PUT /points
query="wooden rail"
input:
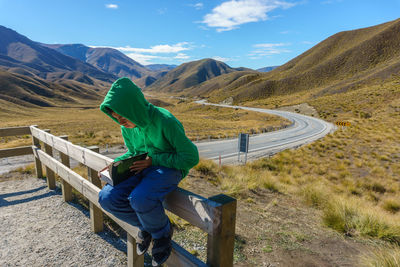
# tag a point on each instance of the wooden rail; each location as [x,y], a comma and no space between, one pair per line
[216,215]
[15,151]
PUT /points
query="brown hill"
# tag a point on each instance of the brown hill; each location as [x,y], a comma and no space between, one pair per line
[115,62]
[107,59]
[40,60]
[190,74]
[340,63]
[34,91]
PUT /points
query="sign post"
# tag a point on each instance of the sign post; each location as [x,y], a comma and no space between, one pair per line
[343,124]
[243,145]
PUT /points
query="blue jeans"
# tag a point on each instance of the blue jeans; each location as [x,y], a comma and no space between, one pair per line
[138,200]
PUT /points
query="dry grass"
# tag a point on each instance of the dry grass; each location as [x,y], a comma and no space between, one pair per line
[89,126]
[382,257]
[352,175]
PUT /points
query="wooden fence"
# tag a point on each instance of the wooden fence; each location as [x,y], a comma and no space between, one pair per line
[215,215]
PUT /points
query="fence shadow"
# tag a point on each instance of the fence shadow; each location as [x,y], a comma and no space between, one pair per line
[5,203]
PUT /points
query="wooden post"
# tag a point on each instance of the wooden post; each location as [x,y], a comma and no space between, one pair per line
[66,188]
[134,260]
[51,178]
[96,215]
[220,243]
[38,164]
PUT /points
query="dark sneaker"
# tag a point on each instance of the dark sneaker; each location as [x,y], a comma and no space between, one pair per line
[143,242]
[161,249]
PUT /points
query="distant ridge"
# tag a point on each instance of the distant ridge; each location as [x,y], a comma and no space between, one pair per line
[160,67]
[266,69]
[340,63]
[107,59]
[35,75]
[113,61]
[190,74]
[33,91]
[18,50]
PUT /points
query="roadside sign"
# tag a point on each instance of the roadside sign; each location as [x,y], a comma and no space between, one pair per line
[243,142]
[243,145]
[343,123]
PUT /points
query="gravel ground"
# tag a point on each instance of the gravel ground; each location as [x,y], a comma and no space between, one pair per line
[38,229]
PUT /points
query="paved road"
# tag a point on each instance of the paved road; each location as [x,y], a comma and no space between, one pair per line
[304,129]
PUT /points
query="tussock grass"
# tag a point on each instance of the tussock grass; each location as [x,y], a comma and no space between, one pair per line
[351,217]
[351,175]
[391,205]
[382,257]
[28,169]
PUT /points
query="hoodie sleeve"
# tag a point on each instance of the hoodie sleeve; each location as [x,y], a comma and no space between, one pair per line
[124,156]
[128,144]
[185,155]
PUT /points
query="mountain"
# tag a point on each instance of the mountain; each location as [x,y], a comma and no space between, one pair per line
[31,91]
[266,69]
[342,62]
[115,62]
[106,59]
[17,51]
[190,74]
[160,67]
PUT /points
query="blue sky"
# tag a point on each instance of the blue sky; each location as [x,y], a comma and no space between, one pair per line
[248,33]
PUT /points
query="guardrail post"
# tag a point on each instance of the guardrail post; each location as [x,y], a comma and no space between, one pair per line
[96,215]
[134,260]
[66,187]
[38,164]
[51,178]
[220,243]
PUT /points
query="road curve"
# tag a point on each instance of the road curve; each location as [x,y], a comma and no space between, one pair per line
[304,129]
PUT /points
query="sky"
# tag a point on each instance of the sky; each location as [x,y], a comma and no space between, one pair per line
[241,33]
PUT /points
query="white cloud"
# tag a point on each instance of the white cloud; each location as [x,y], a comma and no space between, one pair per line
[223,59]
[268,49]
[182,56]
[112,6]
[230,14]
[146,59]
[156,53]
[162,48]
[307,42]
[198,5]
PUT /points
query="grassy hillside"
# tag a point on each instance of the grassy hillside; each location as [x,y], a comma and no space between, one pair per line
[351,176]
[28,91]
[190,74]
[345,61]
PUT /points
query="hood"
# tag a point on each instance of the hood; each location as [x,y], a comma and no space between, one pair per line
[126,99]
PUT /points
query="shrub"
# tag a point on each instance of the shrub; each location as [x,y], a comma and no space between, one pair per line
[382,257]
[391,205]
[351,218]
[206,167]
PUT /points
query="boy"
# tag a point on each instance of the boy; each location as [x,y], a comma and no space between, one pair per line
[138,200]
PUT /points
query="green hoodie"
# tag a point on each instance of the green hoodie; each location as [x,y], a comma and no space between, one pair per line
[157,131]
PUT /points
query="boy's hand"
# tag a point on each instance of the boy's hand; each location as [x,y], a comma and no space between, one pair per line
[105,168]
[140,165]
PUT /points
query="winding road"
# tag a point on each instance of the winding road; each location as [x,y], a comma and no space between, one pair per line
[304,129]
